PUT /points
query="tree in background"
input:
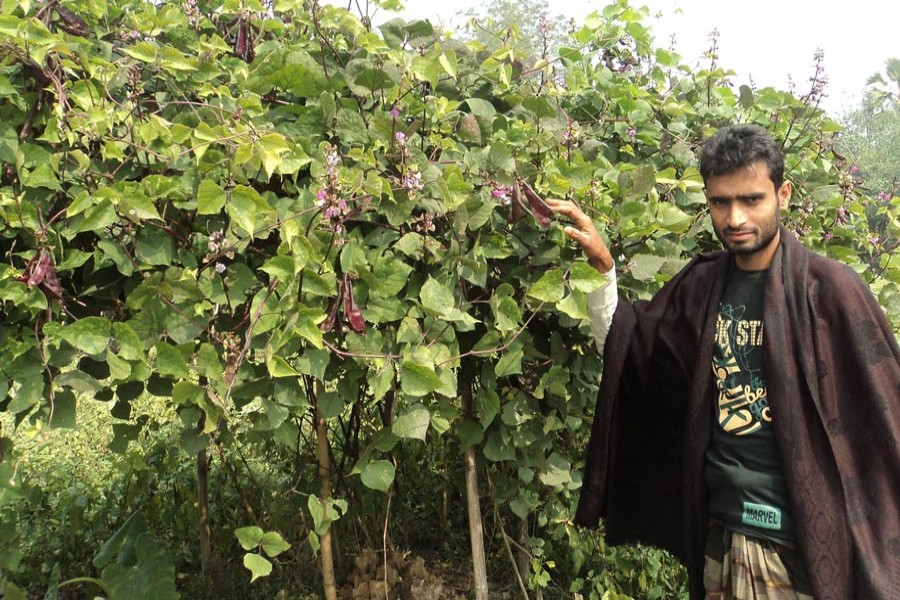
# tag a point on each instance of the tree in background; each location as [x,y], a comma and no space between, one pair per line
[871,133]
[537,31]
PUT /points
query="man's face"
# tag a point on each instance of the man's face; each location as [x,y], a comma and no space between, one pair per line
[746,210]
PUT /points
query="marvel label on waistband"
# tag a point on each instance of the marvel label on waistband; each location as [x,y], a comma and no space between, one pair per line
[762,516]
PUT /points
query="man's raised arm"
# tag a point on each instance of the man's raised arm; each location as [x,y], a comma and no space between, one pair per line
[602,302]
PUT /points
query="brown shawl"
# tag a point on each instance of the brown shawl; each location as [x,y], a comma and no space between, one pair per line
[832,367]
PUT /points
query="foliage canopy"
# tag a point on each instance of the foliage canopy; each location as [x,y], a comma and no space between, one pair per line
[261,213]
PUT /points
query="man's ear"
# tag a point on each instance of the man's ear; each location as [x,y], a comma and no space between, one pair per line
[784,194]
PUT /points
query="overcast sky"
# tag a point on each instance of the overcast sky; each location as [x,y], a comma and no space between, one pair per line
[769,41]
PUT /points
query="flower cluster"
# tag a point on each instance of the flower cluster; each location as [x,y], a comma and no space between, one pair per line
[424,223]
[328,199]
[192,12]
[841,217]
[412,180]
[502,193]
[403,144]
[217,247]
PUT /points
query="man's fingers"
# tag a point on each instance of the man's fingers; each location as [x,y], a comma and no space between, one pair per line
[573,232]
[569,209]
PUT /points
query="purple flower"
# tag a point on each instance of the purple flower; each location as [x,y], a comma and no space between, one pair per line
[400,137]
[220,268]
[502,193]
[632,132]
[826,237]
[412,181]
[395,112]
[854,169]
[332,160]
[874,240]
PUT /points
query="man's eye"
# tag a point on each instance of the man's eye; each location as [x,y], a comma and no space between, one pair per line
[717,202]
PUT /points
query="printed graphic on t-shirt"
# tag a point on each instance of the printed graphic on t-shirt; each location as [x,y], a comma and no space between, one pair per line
[761,515]
[742,404]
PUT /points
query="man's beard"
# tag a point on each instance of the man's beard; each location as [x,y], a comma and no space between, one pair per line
[767,232]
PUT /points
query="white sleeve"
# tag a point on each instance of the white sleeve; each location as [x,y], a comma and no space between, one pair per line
[601,305]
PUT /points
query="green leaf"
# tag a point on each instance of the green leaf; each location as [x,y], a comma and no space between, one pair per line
[154,246]
[41,177]
[418,380]
[557,472]
[249,537]
[511,361]
[273,544]
[413,423]
[130,345]
[470,434]
[507,316]
[436,297]
[481,108]
[90,334]
[520,507]
[247,209]
[98,216]
[170,361]
[63,416]
[331,404]
[487,404]
[269,149]
[324,513]
[496,449]
[574,305]
[173,60]
[144,51]
[279,367]
[137,208]
[672,218]
[585,278]
[449,61]
[646,266]
[637,183]
[258,565]
[378,475]
[550,287]
[210,198]
[135,566]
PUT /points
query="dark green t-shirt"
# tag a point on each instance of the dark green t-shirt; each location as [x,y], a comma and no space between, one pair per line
[745,481]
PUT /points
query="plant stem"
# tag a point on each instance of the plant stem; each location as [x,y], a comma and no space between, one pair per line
[328,580]
[476,534]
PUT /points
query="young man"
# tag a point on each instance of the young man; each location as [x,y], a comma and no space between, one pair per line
[748,418]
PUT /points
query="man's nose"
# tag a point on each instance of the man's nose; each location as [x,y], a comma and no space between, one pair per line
[736,216]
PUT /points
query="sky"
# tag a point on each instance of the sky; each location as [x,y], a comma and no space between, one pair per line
[770,42]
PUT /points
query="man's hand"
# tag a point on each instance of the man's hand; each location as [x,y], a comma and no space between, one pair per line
[583,231]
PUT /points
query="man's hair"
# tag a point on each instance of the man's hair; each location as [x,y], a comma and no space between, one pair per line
[738,146]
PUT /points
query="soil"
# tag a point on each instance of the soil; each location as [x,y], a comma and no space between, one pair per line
[401,577]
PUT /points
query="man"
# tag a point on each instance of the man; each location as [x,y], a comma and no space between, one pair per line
[748,418]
